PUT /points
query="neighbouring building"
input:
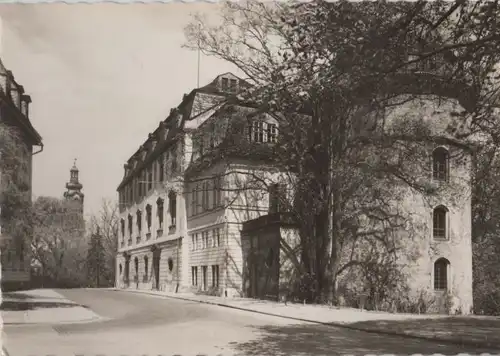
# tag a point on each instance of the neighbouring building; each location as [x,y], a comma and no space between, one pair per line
[199,204]
[14,113]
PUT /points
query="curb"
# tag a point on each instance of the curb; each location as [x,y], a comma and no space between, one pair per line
[461,342]
[97,318]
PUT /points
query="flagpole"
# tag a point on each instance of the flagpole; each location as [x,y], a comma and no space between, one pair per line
[198,75]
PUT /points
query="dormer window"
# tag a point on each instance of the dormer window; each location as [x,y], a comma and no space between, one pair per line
[225,84]
[229,85]
[233,85]
[261,132]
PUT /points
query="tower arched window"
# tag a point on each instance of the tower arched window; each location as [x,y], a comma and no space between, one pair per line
[440,164]
[440,222]
[441,275]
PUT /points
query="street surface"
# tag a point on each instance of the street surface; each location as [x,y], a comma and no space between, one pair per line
[140,324]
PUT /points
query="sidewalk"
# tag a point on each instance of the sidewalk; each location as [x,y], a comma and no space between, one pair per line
[42,306]
[476,331]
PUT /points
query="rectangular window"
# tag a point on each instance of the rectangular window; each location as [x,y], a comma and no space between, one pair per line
[203,240]
[204,277]
[233,85]
[197,241]
[161,168]
[160,213]
[224,84]
[173,208]
[150,178]
[193,245]
[130,225]
[203,207]
[205,196]
[139,222]
[193,201]
[218,237]
[215,276]
[122,223]
[194,276]
[198,200]
[257,132]
[272,133]
[277,197]
[174,159]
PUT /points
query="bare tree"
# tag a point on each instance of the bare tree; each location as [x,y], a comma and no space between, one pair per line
[58,244]
[105,226]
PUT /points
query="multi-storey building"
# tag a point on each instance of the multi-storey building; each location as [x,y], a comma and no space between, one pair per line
[207,173]
[182,198]
[14,114]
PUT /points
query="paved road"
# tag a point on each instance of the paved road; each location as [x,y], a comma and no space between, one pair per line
[138,324]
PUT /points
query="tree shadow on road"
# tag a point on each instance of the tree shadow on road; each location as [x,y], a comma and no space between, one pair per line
[23,296]
[475,328]
[32,305]
[308,339]
[17,301]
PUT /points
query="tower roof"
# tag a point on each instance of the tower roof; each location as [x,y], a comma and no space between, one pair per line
[74,168]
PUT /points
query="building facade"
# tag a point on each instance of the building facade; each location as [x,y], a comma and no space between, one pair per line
[180,211]
[194,192]
[14,114]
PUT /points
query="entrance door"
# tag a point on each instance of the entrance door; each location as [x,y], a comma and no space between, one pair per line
[156,267]
[127,272]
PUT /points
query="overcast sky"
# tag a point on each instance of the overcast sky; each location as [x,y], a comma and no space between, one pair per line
[101,78]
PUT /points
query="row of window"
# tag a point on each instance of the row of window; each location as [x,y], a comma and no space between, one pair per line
[257,131]
[206,239]
[205,196]
[146,266]
[262,132]
[204,277]
[145,181]
[159,214]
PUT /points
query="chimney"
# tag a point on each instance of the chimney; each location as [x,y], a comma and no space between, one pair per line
[25,105]
[153,140]
[8,82]
[20,93]
[144,152]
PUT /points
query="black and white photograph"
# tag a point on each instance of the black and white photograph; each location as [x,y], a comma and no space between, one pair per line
[249,178]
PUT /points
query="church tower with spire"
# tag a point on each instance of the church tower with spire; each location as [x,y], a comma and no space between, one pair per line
[74,187]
